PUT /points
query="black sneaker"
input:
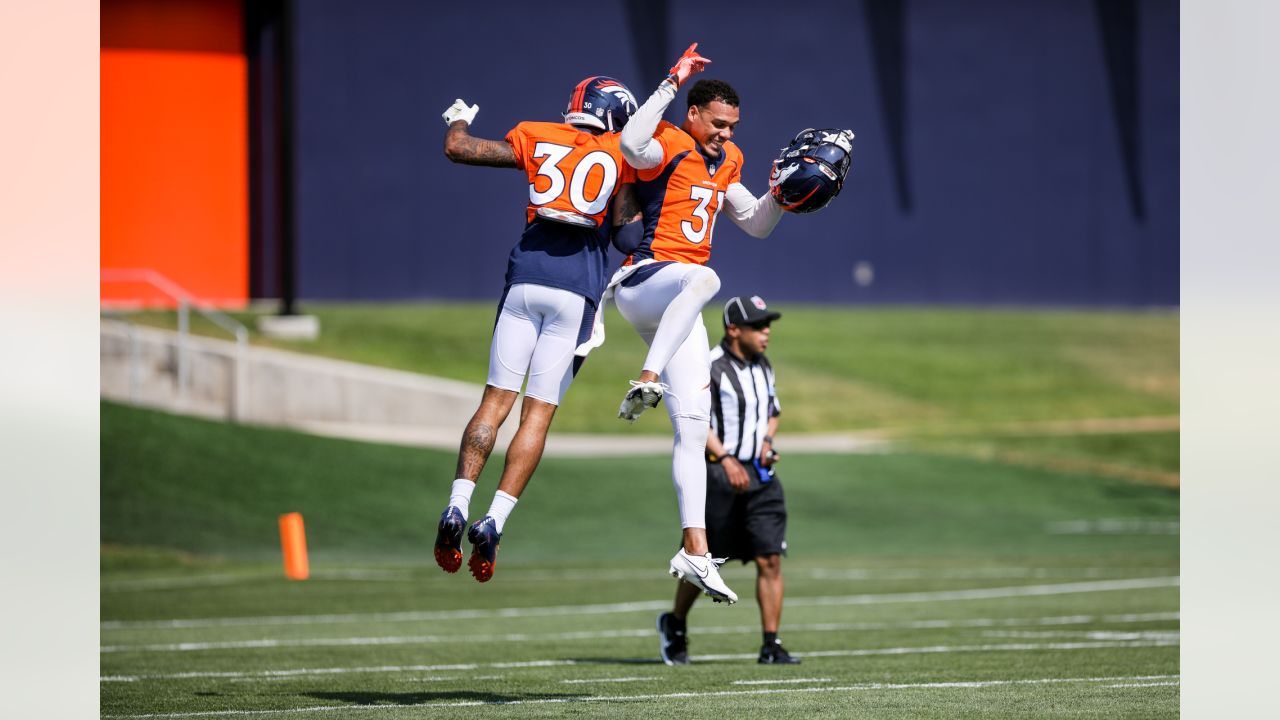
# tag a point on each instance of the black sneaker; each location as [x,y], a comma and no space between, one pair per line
[674,646]
[775,654]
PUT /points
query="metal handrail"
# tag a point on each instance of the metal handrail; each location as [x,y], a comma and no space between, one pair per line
[186,302]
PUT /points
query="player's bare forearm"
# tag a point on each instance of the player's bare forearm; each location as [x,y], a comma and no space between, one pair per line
[626,205]
[769,456]
[714,446]
[461,147]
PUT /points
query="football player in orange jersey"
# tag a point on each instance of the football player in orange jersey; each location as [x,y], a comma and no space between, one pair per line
[685,177]
[556,275]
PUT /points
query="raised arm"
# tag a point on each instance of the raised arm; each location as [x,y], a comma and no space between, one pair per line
[638,145]
[461,147]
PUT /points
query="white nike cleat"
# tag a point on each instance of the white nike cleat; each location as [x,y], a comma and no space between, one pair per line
[641,397]
[704,573]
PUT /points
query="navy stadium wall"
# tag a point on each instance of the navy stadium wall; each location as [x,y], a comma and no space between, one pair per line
[1007,152]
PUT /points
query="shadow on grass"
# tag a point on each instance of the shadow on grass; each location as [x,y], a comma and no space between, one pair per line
[615,661]
[419,698]
[648,661]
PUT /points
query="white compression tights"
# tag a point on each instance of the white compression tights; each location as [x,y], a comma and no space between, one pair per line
[666,309]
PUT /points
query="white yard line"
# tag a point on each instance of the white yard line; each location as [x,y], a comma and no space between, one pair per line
[512,575]
[585,681]
[196,581]
[650,606]
[648,631]
[937,649]
[978,573]
[308,672]
[860,687]
[928,650]
[409,616]
[990,593]
[790,681]
[1087,634]
[1114,526]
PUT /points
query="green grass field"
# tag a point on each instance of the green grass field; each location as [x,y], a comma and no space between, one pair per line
[926,582]
[838,368]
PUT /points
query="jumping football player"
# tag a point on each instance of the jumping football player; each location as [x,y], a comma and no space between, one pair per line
[685,177]
[556,275]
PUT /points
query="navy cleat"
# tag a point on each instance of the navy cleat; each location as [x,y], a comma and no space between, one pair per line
[775,654]
[449,539]
[673,643]
[484,537]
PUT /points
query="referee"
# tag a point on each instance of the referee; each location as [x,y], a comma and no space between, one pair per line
[746,514]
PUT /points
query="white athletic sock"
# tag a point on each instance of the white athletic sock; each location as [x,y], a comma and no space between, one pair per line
[460,495]
[502,506]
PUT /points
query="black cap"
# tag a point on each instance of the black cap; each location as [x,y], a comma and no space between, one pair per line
[747,310]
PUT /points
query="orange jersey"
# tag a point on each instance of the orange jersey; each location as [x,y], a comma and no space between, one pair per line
[572,173]
[682,197]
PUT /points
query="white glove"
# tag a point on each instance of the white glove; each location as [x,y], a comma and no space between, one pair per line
[846,141]
[842,139]
[460,111]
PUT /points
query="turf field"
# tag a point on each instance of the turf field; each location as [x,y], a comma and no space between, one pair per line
[838,368]
[920,583]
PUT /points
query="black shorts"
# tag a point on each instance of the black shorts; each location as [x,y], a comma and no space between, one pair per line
[744,526]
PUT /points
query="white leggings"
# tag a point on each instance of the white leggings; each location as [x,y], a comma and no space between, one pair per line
[537,330]
[666,309]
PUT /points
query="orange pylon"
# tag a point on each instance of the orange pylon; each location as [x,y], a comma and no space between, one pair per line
[293,541]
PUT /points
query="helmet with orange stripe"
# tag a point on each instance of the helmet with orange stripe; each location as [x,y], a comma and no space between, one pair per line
[810,172]
[601,103]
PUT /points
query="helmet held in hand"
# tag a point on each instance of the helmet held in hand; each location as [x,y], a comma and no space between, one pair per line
[810,172]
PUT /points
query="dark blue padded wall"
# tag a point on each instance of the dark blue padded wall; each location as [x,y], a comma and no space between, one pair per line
[382,213]
[991,164]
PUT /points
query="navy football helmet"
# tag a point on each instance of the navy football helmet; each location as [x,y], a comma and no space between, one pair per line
[810,172]
[602,103]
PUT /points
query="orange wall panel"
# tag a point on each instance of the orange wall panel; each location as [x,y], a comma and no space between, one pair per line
[174,159]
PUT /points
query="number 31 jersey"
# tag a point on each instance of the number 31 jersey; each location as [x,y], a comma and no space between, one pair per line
[573,175]
[682,197]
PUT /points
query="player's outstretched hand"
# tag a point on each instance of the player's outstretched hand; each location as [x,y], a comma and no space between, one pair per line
[690,63]
[459,110]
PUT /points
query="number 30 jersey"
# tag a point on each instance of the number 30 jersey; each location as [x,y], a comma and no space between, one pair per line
[682,197]
[573,175]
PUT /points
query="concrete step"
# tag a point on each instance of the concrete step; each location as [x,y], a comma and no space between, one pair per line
[336,398]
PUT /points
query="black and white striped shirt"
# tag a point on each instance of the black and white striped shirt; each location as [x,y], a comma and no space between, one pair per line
[742,401]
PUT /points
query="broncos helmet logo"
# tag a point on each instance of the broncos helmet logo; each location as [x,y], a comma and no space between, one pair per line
[602,103]
[623,94]
[780,175]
